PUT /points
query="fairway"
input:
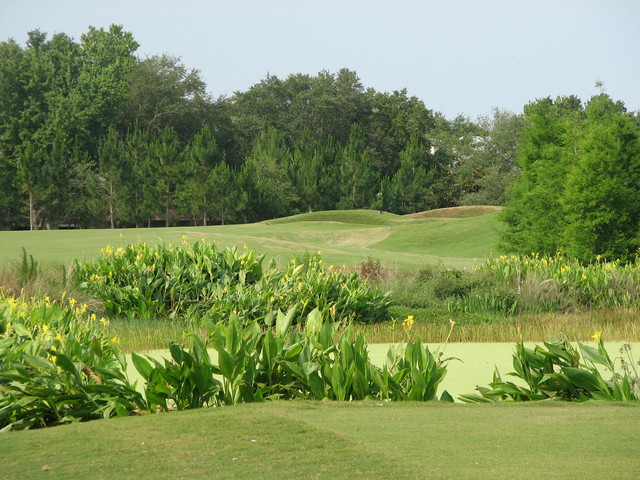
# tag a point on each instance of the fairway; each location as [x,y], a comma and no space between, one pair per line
[291,440]
[343,237]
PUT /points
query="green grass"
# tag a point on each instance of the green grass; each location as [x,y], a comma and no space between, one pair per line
[344,237]
[290,440]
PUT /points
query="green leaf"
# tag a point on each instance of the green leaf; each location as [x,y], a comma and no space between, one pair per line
[226,365]
[446,397]
[143,367]
[38,362]
[583,379]
[474,398]
[176,352]
[283,322]
[593,355]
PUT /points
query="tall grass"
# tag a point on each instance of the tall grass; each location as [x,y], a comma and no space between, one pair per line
[26,277]
[560,283]
[516,285]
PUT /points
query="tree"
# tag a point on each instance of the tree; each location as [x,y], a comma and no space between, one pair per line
[113,169]
[579,190]
[271,194]
[139,191]
[163,93]
[393,119]
[103,82]
[491,166]
[360,183]
[601,201]
[167,170]
[196,195]
[412,181]
[58,98]
[533,216]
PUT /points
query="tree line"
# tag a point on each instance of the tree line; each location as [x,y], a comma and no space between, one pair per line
[92,135]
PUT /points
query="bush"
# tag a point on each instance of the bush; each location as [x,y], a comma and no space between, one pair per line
[200,281]
[57,366]
[559,371]
[319,362]
[527,284]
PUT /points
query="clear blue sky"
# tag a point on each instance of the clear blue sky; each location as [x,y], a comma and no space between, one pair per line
[458,56]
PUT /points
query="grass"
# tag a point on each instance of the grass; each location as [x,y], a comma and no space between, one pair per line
[431,327]
[287,440]
[344,237]
[455,237]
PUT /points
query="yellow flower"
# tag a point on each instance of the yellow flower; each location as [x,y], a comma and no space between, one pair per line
[104,321]
[115,340]
[72,302]
[184,237]
[58,337]
[596,336]
[46,328]
[54,348]
[584,276]
[408,322]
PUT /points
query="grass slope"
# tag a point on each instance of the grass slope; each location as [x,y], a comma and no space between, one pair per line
[457,212]
[344,237]
[287,440]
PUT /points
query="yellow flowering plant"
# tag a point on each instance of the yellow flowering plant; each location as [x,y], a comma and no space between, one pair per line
[50,350]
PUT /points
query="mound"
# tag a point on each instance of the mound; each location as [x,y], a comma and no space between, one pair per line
[360,217]
[457,212]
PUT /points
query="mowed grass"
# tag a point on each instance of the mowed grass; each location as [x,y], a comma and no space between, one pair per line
[291,440]
[344,237]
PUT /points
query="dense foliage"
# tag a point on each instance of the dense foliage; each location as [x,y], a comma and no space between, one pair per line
[198,280]
[578,191]
[57,366]
[524,284]
[559,371]
[91,135]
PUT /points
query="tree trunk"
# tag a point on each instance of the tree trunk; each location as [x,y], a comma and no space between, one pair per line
[112,208]
[33,214]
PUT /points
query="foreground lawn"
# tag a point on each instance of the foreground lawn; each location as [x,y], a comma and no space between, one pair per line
[283,440]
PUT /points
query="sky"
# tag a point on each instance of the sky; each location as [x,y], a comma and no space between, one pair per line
[458,56]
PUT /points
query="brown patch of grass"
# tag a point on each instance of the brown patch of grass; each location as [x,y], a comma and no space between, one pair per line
[457,212]
[615,325]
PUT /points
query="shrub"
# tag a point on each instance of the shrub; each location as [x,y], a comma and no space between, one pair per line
[371,269]
[57,366]
[318,362]
[560,371]
[200,281]
[526,284]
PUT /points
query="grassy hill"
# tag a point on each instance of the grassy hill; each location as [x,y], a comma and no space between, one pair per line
[458,237]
